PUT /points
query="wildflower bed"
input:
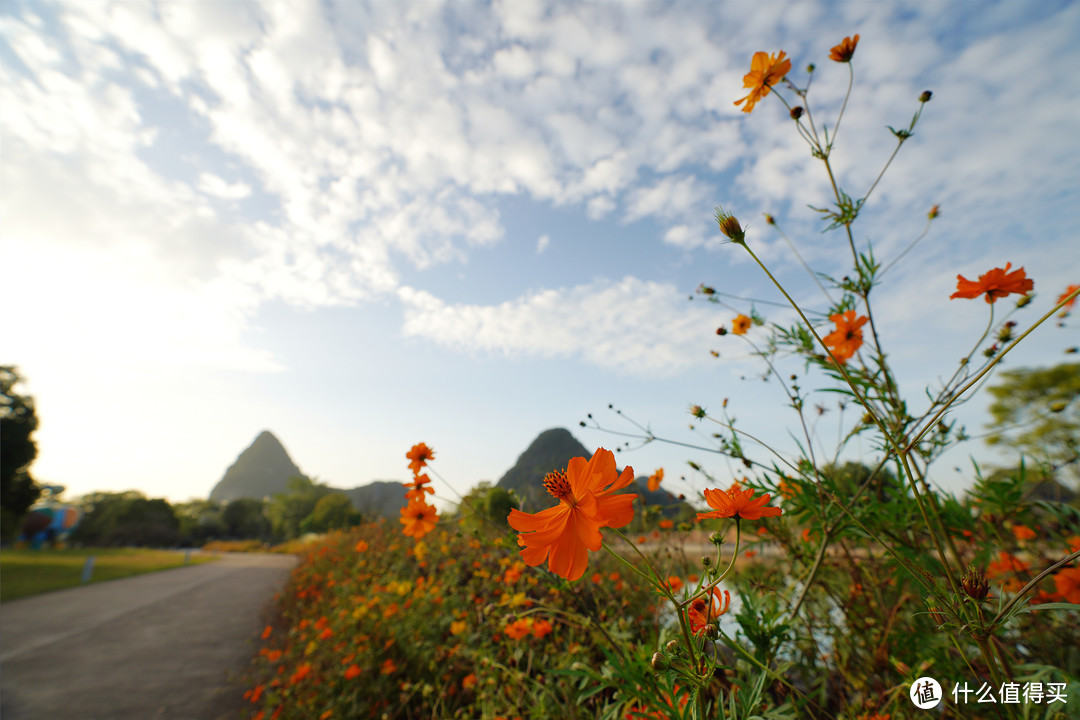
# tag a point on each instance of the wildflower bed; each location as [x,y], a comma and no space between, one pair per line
[374,624]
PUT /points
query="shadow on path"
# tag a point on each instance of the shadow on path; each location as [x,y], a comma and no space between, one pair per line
[162,645]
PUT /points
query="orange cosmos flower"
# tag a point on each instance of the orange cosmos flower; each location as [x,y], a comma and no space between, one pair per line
[847,338]
[419,518]
[1022,532]
[702,611]
[541,628]
[419,454]
[418,488]
[389,667]
[352,671]
[468,681]
[737,504]
[740,324]
[667,524]
[1067,582]
[362,546]
[842,53]
[994,284]
[301,672]
[655,479]
[674,583]
[518,629]
[765,71]
[563,535]
[1067,307]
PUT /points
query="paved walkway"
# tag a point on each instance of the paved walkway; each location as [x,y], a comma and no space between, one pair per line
[166,645]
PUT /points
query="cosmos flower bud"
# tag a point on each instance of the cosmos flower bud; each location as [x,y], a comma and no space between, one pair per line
[672,646]
[659,662]
[1023,301]
[1059,406]
[729,226]
[796,112]
[975,584]
[711,631]
[698,412]
[925,97]
[934,212]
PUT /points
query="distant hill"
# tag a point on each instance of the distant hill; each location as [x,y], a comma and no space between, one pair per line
[263,469]
[552,450]
[381,497]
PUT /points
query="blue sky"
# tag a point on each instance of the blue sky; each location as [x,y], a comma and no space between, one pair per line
[362,226]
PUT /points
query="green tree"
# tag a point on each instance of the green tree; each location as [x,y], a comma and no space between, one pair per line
[332,512]
[498,504]
[200,522]
[245,518]
[1037,411]
[18,421]
[127,518]
[289,509]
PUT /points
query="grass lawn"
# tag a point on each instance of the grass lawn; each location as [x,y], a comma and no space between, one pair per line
[29,572]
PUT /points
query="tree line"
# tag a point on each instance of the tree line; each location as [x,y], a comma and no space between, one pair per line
[1035,412]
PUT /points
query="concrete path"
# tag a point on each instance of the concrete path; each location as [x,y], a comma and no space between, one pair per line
[167,645]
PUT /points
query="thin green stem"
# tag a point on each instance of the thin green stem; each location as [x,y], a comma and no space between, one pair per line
[989,366]
[840,116]
[706,589]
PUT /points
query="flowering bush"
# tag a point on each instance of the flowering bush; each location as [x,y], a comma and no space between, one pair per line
[852,581]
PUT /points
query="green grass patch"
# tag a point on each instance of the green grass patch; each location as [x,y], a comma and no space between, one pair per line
[30,572]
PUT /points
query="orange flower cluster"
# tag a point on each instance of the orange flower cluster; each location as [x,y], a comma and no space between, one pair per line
[736,503]
[527,626]
[1006,565]
[1067,583]
[995,283]
[564,534]
[765,71]
[847,338]
[418,517]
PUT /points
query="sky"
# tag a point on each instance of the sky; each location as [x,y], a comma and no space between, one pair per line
[367,225]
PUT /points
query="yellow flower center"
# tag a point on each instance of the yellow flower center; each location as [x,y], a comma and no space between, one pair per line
[558,485]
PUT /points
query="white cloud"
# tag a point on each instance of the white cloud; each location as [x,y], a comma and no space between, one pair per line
[212,184]
[671,197]
[542,243]
[632,325]
[380,137]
